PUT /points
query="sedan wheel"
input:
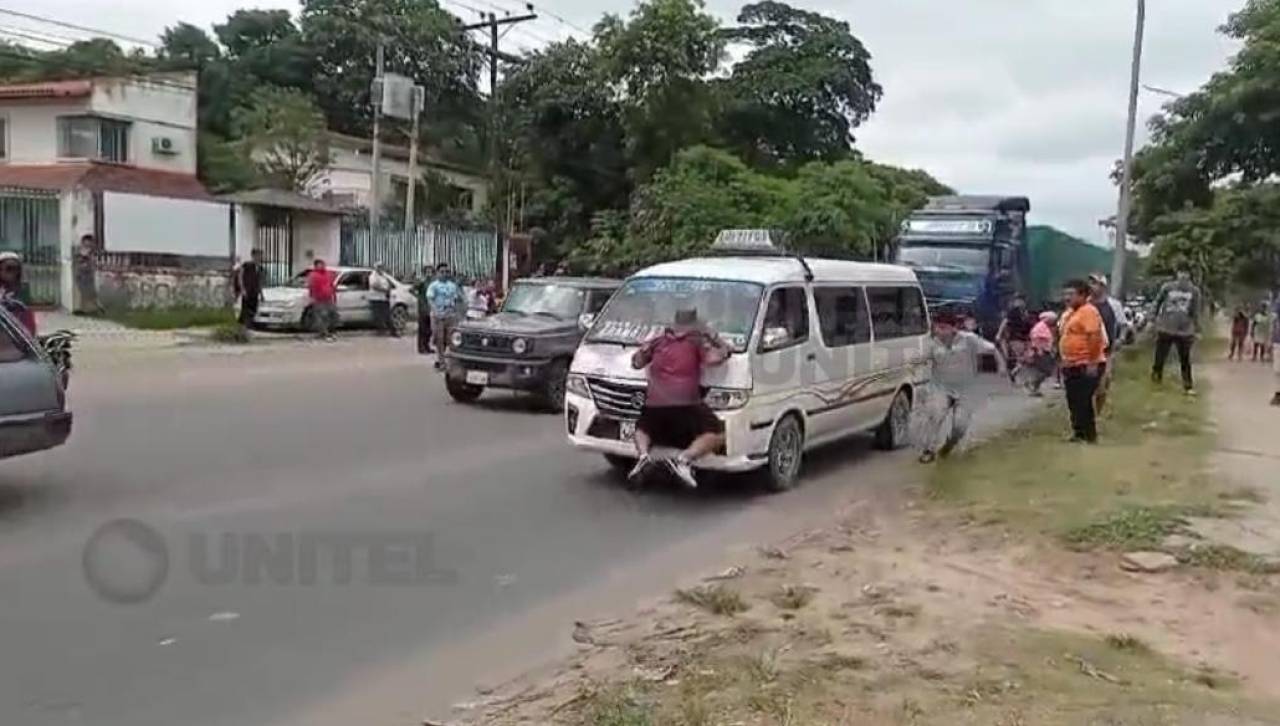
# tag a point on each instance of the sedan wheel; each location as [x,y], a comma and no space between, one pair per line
[399,319]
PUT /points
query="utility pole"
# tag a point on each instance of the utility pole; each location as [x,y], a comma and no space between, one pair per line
[375,191]
[419,96]
[1126,175]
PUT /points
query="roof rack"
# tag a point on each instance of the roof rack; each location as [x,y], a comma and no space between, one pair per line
[756,243]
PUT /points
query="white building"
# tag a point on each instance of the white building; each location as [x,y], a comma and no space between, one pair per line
[114,158]
[348,180]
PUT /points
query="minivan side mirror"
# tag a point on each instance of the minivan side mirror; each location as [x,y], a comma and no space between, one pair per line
[586,320]
[775,338]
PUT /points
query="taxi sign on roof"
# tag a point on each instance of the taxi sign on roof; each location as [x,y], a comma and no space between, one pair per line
[754,240]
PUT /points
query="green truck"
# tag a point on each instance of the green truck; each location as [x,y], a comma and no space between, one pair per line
[1055,257]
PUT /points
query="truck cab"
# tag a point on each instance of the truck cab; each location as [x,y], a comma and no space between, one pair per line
[969,253]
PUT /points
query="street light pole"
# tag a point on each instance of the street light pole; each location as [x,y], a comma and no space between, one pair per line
[1126,176]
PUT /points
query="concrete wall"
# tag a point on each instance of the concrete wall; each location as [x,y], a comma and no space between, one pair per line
[316,236]
[139,289]
[350,172]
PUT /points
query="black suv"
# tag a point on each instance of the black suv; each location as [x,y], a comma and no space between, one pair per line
[529,343]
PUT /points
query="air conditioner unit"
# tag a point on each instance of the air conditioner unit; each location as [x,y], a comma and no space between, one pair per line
[164,145]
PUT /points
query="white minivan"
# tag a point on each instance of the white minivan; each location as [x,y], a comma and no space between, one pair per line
[822,350]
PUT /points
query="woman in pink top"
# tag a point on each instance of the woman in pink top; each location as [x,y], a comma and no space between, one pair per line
[1042,361]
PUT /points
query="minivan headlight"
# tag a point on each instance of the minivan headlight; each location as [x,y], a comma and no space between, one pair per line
[455,339]
[577,385]
[726,399]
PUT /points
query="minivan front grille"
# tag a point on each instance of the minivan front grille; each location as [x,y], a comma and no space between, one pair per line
[620,400]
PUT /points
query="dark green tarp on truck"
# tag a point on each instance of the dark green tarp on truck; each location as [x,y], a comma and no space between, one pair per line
[1054,258]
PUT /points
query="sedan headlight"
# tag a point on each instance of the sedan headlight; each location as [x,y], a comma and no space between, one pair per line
[520,346]
[726,399]
[577,385]
[455,339]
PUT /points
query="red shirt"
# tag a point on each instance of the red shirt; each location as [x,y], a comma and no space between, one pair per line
[321,284]
[675,368]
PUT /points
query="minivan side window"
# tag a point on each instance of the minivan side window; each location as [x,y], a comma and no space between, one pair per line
[897,312]
[786,319]
[842,316]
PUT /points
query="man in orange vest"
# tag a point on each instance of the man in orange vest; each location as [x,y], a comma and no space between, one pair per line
[1082,349]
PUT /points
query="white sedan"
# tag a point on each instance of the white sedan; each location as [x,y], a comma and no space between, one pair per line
[289,306]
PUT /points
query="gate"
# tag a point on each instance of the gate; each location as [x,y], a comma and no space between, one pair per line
[275,239]
[29,226]
[473,254]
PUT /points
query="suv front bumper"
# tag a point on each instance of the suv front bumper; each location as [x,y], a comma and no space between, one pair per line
[520,375]
[35,432]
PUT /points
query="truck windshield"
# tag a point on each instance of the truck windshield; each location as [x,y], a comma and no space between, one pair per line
[557,301]
[645,305]
[972,260]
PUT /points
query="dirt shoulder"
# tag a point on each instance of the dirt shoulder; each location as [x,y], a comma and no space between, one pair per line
[996,591]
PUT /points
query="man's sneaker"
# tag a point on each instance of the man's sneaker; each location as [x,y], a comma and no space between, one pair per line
[1275,400]
[927,457]
[684,471]
[1189,392]
[637,471]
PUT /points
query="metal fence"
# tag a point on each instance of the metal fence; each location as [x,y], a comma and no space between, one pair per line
[29,226]
[470,253]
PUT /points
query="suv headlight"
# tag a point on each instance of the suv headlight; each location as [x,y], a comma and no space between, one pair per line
[726,399]
[455,339]
[520,346]
[577,385]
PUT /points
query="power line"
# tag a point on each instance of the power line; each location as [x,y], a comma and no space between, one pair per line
[527,7]
[81,28]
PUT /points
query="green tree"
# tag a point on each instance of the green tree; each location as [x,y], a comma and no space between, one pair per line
[283,133]
[801,89]
[188,47]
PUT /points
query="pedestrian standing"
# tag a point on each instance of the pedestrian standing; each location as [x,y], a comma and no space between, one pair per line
[380,288]
[1082,349]
[1043,357]
[674,413]
[1114,322]
[1275,340]
[86,274]
[248,283]
[14,295]
[323,290]
[424,310]
[1241,325]
[1014,334]
[946,403]
[1177,325]
[444,295]
[1260,329]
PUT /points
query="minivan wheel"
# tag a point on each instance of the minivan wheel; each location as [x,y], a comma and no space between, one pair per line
[895,429]
[462,392]
[786,450]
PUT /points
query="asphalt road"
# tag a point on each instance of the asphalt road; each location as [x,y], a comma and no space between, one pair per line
[389,549]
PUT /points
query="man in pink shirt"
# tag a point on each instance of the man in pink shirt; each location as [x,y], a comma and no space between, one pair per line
[322,288]
[674,413]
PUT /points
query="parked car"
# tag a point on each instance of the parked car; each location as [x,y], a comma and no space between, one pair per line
[528,344]
[288,306]
[33,401]
[822,350]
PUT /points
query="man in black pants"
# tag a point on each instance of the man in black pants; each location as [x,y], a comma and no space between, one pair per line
[249,283]
[1177,325]
[1083,352]
[424,310]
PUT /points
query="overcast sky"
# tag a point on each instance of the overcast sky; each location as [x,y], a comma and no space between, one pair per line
[991,96]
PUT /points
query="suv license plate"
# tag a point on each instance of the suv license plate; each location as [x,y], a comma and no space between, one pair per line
[478,378]
[626,430]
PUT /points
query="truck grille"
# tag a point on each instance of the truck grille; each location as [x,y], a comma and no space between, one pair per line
[620,400]
[486,343]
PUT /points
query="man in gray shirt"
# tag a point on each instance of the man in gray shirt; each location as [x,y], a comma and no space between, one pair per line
[954,357]
[1177,325]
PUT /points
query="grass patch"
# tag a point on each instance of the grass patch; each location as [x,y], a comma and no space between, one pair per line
[1224,557]
[616,706]
[792,597]
[715,599]
[1128,491]
[172,318]
[231,333]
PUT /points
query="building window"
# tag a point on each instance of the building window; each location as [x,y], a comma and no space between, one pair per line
[88,137]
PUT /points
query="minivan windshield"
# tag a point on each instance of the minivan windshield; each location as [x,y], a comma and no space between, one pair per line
[645,305]
[557,301]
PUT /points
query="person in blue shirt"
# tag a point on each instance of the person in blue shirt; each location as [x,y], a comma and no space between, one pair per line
[444,296]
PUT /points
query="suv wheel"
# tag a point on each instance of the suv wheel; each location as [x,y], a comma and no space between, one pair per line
[462,392]
[554,388]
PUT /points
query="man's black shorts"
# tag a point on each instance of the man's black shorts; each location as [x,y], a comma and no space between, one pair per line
[678,426]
